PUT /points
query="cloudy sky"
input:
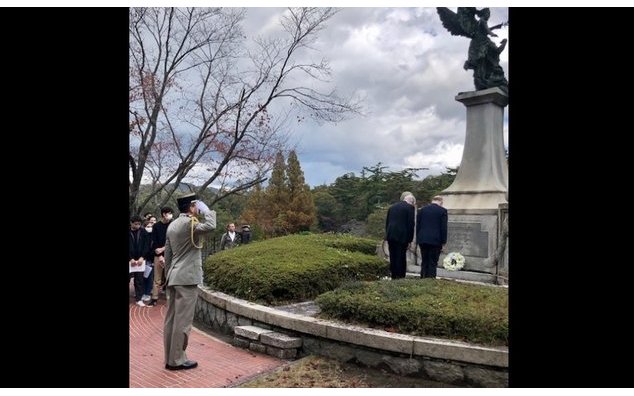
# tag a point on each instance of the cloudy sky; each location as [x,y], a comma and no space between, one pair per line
[408,68]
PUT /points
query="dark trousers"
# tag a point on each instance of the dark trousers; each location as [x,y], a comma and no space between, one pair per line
[148,283]
[398,259]
[430,255]
[138,285]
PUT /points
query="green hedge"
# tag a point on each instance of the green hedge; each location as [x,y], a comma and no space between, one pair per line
[423,307]
[293,268]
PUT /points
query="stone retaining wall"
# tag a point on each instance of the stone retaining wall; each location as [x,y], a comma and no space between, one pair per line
[451,362]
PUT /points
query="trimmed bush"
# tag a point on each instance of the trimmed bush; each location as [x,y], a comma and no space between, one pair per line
[423,307]
[293,268]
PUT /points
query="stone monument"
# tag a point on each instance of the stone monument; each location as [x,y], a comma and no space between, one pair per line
[477,199]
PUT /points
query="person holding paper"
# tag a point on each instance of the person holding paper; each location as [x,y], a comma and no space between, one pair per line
[159,234]
[138,247]
[183,274]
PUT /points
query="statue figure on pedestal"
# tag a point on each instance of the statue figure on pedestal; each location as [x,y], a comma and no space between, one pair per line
[484,55]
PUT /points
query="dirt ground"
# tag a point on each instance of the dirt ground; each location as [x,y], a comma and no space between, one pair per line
[321,372]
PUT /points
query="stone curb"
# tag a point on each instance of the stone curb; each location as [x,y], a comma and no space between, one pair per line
[372,338]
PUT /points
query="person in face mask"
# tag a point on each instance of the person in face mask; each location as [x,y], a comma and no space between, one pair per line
[139,246]
[159,232]
[148,276]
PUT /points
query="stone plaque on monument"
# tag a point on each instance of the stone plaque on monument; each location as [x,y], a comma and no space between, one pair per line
[475,237]
[468,239]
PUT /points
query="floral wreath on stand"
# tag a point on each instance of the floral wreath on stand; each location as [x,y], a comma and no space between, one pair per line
[453,261]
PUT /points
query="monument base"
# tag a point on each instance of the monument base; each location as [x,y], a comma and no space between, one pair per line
[472,199]
[474,234]
[467,276]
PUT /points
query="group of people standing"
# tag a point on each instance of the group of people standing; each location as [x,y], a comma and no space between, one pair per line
[147,252]
[430,224]
[171,249]
[147,255]
[233,238]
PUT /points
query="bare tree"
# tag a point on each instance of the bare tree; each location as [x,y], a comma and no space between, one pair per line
[199,100]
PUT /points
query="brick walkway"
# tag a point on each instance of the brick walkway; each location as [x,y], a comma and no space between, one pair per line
[219,364]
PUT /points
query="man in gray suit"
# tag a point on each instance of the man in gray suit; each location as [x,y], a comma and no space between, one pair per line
[183,274]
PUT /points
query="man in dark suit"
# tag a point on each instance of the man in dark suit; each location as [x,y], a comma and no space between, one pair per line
[431,235]
[399,232]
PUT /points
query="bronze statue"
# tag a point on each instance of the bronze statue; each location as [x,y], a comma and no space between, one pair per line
[484,55]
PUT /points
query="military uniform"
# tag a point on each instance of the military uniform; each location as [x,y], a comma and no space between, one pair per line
[183,273]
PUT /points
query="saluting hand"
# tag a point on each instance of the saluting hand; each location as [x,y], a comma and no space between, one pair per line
[202,207]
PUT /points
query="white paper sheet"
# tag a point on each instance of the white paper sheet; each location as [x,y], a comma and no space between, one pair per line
[138,268]
[148,270]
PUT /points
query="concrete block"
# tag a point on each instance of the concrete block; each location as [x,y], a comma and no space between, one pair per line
[250,332]
[454,350]
[280,340]
[257,347]
[281,353]
[372,338]
[240,342]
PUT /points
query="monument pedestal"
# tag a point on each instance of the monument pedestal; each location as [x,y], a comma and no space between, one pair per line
[482,178]
[474,198]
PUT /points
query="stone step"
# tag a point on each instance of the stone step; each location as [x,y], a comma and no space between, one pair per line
[281,353]
[280,340]
[250,332]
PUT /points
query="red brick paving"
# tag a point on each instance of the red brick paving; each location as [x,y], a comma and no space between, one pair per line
[219,364]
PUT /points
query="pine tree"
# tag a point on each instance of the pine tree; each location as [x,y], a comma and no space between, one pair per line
[286,206]
[277,197]
[257,214]
[301,212]
[327,209]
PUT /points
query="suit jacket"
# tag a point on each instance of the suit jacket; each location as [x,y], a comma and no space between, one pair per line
[431,225]
[183,261]
[399,223]
[227,243]
[138,244]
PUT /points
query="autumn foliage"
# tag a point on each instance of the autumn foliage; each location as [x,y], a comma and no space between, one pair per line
[286,206]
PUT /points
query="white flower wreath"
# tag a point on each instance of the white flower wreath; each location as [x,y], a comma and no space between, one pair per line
[453,261]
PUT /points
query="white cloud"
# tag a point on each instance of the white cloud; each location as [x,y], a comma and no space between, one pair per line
[409,69]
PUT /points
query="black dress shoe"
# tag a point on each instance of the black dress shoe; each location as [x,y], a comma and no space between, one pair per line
[189,364]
